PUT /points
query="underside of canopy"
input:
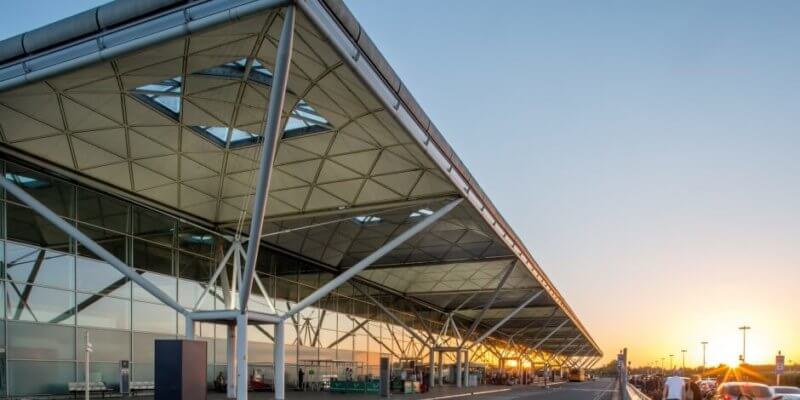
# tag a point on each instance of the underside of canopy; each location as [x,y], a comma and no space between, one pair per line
[178,123]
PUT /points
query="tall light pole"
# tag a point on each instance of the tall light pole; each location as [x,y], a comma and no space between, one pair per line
[704,343]
[670,362]
[662,364]
[744,329]
[683,360]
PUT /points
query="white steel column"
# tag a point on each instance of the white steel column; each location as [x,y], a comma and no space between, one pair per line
[242,373]
[189,327]
[277,97]
[279,359]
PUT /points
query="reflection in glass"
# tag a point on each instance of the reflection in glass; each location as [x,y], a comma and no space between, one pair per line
[103,312]
[107,345]
[152,257]
[39,266]
[25,377]
[26,226]
[153,226]
[167,284]
[100,277]
[40,342]
[150,317]
[38,304]
[197,241]
[53,193]
[109,240]
[103,211]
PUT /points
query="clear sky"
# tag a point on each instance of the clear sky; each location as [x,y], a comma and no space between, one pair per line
[646,152]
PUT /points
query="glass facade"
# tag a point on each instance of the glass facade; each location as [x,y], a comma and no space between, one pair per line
[55,292]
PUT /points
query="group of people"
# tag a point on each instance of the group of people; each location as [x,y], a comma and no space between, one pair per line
[674,387]
[677,388]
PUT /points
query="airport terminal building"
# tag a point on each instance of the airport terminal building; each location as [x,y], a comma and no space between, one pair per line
[143,143]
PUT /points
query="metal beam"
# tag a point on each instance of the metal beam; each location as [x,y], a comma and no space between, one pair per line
[348,334]
[375,256]
[277,97]
[565,347]
[391,315]
[544,339]
[508,317]
[90,244]
[491,301]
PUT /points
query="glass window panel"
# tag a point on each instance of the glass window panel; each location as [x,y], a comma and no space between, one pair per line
[26,226]
[103,211]
[39,266]
[198,241]
[42,305]
[107,345]
[144,347]
[106,372]
[167,284]
[152,257]
[100,277]
[112,241]
[103,312]
[195,268]
[53,193]
[27,377]
[40,341]
[157,318]
[285,266]
[190,291]
[153,226]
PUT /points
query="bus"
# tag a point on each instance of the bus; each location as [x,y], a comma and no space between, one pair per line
[577,375]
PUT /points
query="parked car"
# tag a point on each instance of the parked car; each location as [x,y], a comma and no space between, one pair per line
[743,391]
[785,392]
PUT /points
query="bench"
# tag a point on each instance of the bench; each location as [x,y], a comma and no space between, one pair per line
[142,386]
[94,387]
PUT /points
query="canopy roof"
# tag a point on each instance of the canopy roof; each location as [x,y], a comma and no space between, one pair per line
[164,103]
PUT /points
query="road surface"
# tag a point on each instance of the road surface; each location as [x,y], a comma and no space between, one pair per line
[602,389]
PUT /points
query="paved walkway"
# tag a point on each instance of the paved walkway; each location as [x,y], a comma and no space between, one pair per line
[444,392]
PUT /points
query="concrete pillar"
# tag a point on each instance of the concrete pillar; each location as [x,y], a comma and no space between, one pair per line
[458,368]
[242,374]
[431,375]
[231,355]
[280,362]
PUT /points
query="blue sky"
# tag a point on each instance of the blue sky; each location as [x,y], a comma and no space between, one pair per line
[647,152]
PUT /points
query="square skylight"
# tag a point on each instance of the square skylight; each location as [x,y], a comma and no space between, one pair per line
[219,135]
[421,212]
[367,219]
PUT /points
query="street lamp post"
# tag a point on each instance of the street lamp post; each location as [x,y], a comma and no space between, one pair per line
[744,329]
[683,361]
[704,343]
[670,362]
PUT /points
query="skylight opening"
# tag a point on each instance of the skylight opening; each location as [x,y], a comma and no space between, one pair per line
[305,120]
[422,212]
[219,135]
[27,181]
[163,96]
[367,219]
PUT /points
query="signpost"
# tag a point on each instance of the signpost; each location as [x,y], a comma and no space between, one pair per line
[779,366]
